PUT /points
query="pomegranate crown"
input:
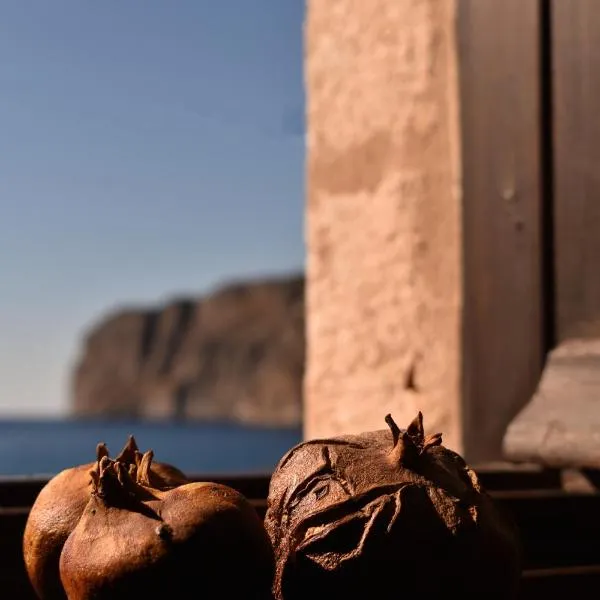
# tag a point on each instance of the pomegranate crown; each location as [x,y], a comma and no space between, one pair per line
[410,443]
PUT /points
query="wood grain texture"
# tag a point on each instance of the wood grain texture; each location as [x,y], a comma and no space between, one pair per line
[561,425]
[499,46]
[576,87]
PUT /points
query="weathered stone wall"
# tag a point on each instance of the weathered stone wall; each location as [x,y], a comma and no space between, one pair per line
[383,216]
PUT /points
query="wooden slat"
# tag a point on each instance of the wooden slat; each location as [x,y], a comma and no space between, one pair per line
[499,46]
[252,486]
[557,529]
[576,89]
[559,532]
[13,578]
[518,477]
[22,491]
[571,582]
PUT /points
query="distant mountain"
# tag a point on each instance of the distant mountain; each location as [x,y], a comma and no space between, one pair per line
[236,354]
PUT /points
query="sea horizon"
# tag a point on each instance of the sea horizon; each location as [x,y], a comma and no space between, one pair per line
[43,446]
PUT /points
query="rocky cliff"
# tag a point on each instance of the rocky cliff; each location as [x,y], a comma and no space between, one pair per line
[236,354]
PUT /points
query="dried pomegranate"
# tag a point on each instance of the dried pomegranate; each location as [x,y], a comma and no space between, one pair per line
[57,510]
[388,514]
[136,539]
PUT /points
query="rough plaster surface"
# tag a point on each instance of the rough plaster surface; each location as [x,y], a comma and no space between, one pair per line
[383,216]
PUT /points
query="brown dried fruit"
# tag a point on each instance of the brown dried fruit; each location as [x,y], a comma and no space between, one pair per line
[136,539]
[386,513]
[57,510]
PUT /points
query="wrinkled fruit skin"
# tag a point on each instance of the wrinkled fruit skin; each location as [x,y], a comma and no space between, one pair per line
[135,541]
[388,514]
[55,513]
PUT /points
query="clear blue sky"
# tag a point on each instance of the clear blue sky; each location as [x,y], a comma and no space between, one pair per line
[147,148]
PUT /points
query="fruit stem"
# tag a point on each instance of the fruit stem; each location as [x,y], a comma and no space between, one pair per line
[393,428]
[127,455]
[143,471]
[409,443]
[415,430]
[101,451]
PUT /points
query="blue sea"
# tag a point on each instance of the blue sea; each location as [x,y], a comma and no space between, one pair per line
[45,447]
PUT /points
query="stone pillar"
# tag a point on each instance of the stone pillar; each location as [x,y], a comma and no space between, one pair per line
[383,227]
